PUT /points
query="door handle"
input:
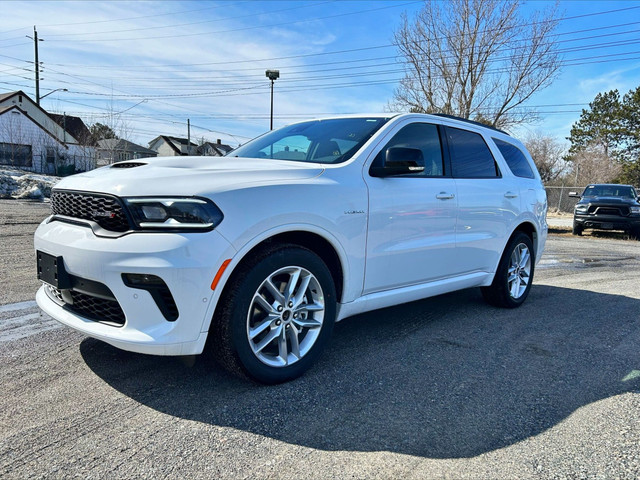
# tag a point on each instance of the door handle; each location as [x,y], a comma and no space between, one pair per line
[510,195]
[445,196]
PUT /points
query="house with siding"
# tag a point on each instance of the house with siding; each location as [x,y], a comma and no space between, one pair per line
[211,149]
[167,146]
[31,139]
[113,150]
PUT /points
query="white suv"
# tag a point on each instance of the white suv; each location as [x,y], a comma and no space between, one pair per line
[257,254]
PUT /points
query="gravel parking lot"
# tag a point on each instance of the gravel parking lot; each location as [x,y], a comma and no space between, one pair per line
[446,387]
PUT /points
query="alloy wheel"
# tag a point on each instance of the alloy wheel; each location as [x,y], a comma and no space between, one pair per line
[285,316]
[519,272]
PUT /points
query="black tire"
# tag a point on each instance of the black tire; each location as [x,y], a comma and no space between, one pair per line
[229,339]
[577,228]
[499,293]
[634,233]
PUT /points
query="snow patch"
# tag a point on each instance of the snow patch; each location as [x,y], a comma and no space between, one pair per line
[23,185]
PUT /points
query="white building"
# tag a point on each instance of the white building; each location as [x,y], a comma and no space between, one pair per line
[167,146]
[31,139]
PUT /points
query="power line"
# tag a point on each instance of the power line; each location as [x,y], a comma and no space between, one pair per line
[254,27]
[301,76]
[251,84]
[146,68]
[342,85]
[179,25]
[290,78]
[124,19]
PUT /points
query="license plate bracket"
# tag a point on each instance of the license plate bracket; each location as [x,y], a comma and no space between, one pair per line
[51,270]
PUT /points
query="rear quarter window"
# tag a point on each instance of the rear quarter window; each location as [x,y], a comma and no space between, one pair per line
[516,160]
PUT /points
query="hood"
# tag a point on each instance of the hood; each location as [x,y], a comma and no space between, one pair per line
[608,200]
[186,176]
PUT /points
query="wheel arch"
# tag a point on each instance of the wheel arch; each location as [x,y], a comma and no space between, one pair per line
[313,241]
[320,242]
[529,229]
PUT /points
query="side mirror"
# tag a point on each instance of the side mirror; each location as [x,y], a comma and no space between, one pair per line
[574,194]
[398,161]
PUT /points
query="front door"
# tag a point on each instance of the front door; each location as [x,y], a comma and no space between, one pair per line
[412,218]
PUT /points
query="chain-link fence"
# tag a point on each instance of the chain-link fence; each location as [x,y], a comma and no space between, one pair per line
[559,200]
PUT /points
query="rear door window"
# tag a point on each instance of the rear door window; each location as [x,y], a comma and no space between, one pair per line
[470,155]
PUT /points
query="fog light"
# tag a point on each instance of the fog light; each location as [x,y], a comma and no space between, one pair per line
[142,280]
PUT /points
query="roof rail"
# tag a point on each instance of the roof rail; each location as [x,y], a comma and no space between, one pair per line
[453,117]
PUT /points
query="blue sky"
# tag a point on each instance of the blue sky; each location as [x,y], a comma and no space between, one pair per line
[147,67]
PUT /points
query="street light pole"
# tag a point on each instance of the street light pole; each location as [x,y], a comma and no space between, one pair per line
[52,91]
[272,75]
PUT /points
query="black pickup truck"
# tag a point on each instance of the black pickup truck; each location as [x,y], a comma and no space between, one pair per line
[607,207]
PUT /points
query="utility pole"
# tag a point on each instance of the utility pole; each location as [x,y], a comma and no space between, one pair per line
[37,63]
[188,137]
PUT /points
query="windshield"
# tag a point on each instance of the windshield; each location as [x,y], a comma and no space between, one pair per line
[319,141]
[609,191]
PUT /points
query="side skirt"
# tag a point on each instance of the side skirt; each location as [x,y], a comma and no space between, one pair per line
[388,298]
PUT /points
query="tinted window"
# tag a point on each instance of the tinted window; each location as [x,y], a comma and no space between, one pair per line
[516,160]
[609,191]
[470,156]
[324,141]
[422,136]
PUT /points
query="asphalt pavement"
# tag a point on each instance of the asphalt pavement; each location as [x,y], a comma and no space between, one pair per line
[447,387]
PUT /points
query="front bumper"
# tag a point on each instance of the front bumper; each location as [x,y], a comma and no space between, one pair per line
[607,222]
[187,263]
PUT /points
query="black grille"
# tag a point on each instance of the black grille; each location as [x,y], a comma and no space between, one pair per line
[96,308]
[105,211]
[127,164]
[616,211]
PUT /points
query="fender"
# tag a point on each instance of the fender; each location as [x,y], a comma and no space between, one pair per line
[350,284]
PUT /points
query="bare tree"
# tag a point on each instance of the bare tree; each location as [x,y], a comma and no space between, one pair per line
[592,164]
[549,156]
[477,59]
[114,125]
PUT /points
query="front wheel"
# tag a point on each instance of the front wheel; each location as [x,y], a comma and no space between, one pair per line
[514,275]
[577,228]
[277,315]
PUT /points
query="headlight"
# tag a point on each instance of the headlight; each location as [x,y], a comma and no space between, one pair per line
[174,214]
[634,210]
[581,208]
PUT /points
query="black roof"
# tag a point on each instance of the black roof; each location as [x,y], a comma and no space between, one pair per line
[75,126]
[453,117]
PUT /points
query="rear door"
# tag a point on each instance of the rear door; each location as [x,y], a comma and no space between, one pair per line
[488,201]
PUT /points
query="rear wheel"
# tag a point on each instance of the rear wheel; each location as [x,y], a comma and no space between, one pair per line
[277,315]
[514,275]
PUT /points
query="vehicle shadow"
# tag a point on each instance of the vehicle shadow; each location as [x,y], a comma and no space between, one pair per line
[447,377]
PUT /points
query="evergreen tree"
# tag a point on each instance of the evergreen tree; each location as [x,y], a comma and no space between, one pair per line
[100,131]
[599,126]
[610,129]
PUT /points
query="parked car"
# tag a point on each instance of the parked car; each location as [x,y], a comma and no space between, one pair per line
[255,255]
[607,207]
